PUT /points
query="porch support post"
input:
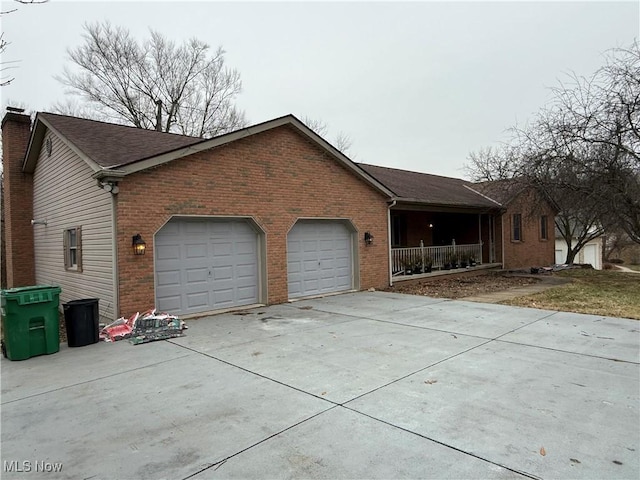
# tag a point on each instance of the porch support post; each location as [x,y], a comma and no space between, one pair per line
[480,235]
[391,205]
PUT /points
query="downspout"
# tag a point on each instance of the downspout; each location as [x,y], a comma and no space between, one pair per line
[391,205]
[114,246]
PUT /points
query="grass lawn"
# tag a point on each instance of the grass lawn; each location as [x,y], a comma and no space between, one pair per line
[634,267]
[599,292]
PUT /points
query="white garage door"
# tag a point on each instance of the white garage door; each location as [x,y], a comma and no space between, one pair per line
[590,255]
[204,264]
[319,258]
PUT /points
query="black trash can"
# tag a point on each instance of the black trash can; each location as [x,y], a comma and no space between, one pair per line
[81,317]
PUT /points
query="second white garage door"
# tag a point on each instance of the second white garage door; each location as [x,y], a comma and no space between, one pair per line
[319,258]
[206,264]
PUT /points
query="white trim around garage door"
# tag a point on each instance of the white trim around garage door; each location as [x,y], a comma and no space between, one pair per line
[208,283]
[322,257]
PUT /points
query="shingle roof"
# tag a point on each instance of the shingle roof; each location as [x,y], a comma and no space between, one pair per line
[427,188]
[502,191]
[111,145]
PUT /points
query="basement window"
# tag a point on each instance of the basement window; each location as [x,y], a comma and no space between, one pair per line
[72,241]
[516,224]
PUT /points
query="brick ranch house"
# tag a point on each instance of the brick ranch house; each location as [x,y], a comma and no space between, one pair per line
[262,215]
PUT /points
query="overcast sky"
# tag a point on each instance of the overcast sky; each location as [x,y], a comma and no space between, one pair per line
[415,85]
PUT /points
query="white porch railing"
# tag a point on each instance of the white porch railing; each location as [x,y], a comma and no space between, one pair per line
[416,258]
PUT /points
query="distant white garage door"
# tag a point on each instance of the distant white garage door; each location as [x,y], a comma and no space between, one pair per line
[319,258]
[591,256]
[204,264]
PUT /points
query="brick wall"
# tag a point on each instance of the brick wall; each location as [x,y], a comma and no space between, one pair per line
[532,250]
[18,202]
[275,177]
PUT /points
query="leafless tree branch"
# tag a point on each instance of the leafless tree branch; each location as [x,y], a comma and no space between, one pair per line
[582,150]
[123,80]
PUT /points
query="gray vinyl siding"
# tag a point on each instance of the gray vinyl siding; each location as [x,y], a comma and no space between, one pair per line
[65,196]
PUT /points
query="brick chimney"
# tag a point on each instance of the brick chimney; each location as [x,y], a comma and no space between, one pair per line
[18,200]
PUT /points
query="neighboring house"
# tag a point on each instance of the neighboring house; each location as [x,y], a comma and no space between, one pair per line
[262,215]
[590,253]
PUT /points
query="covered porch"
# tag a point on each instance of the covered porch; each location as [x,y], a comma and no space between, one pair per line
[426,240]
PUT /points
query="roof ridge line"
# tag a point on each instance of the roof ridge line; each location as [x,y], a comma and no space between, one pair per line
[482,195]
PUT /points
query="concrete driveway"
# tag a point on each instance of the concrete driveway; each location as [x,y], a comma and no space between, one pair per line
[366,385]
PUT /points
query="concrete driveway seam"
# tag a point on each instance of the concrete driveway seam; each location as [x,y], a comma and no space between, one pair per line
[446,445]
[218,464]
[204,354]
[447,358]
[581,354]
[490,340]
[399,379]
[97,379]
[451,332]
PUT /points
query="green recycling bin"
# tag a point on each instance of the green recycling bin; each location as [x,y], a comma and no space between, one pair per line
[30,321]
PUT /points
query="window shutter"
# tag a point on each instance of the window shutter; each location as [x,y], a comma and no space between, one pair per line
[79,248]
[65,248]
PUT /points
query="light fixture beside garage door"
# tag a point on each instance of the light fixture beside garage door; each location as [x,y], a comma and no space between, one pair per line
[368,238]
[138,244]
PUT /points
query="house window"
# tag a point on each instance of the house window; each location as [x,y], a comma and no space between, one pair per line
[516,222]
[544,230]
[398,231]
[72,241]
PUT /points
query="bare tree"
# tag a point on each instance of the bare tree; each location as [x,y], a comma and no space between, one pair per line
[127,81]
[342,141]
[582,151]
[491,164]
[4,43]
[617,241]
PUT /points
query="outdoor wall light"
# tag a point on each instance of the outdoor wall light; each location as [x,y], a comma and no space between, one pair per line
[368,238]
[138,244]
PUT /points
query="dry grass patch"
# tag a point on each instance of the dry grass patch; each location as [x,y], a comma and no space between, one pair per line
[609,293]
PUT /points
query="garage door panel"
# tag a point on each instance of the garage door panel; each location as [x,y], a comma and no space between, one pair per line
[206,264]
[245,247]
[198,299]
[197,275]
[169,279]
[247,293]
[223,273]
[197,251]
[246,272]
[171,303]
[169,251]
[318,258]
[311,285]
[222,248]
[224,297]
[171,229]
[194,227]
[310,265]
[310,246]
